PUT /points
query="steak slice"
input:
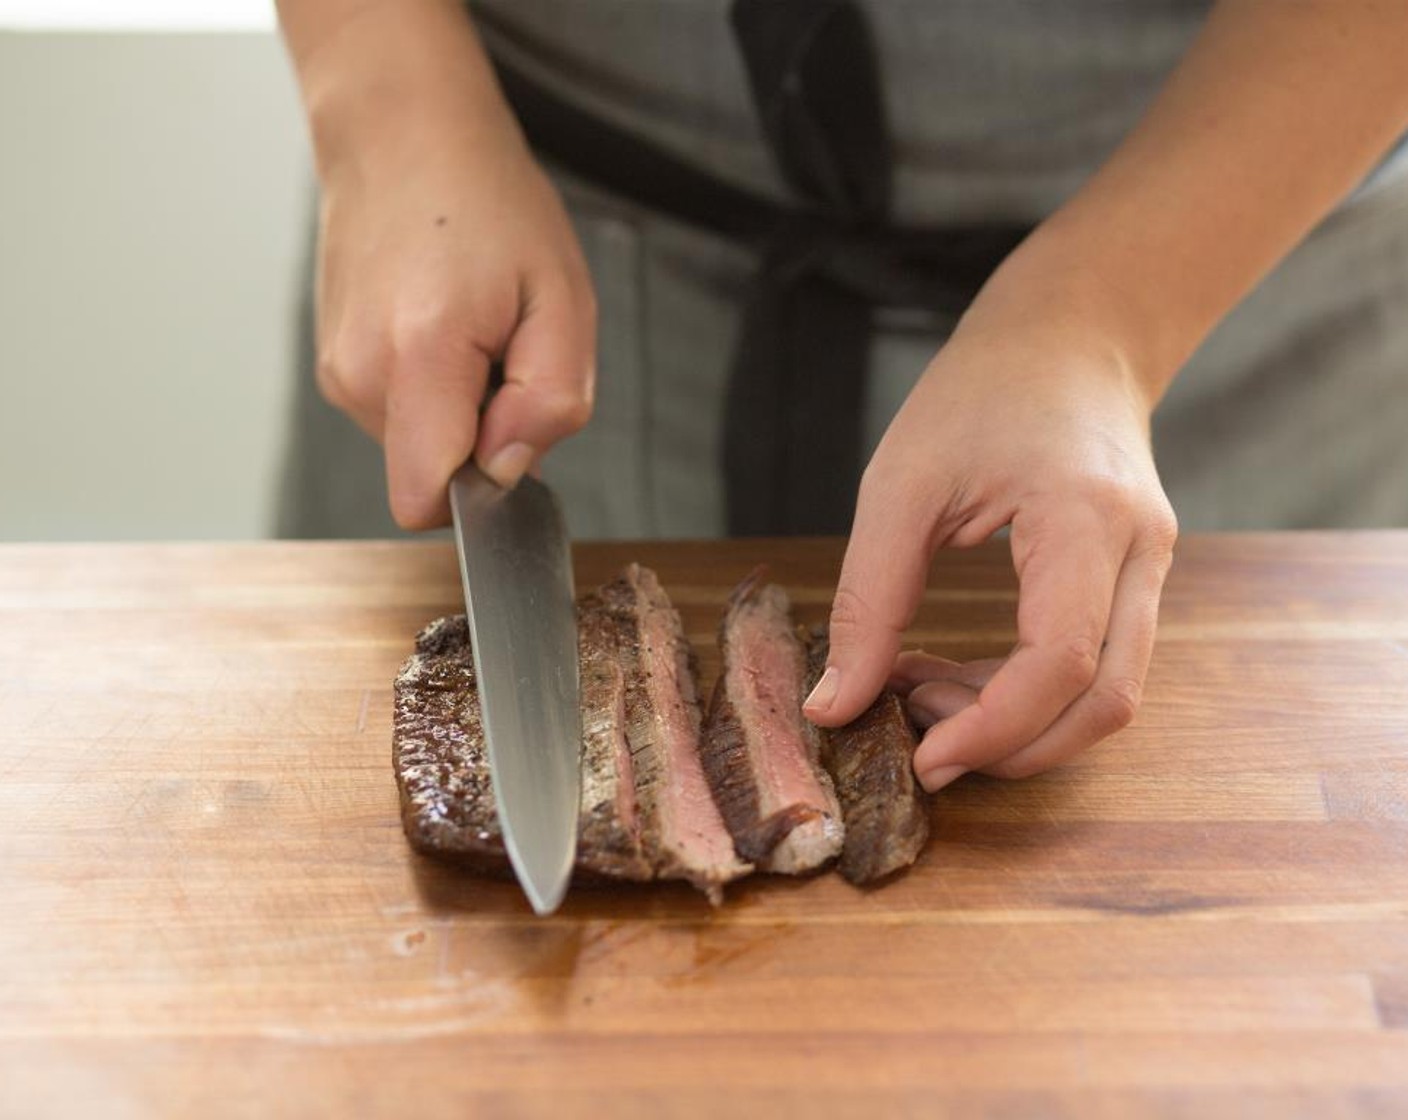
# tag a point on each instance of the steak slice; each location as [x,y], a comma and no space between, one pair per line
[761,755]
[682,831]
[442,764]
[608,830]
[871,760]
[437,748]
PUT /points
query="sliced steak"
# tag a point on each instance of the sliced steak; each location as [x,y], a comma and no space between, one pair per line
[654,804]
[761,755]
[646,811]
[681,828]
[442,765]
[871,760]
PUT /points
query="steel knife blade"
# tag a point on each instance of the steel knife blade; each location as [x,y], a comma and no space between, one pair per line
[516,565]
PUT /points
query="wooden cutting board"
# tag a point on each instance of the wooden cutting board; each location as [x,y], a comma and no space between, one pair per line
[207,905]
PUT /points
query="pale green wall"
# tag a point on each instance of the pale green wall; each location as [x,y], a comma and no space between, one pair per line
[154,193]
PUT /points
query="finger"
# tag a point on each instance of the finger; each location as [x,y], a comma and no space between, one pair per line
[915,667]
[433,393]
[938,700]
[350,374]
[1112,700]
[549,382]
[1067,566]
[882,579]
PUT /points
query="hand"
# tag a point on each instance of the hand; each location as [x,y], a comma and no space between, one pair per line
[444,248]
[1033,422]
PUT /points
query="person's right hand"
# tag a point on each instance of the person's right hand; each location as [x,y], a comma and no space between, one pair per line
[443,248]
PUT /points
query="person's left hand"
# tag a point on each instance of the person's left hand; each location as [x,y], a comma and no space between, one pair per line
[1034,421]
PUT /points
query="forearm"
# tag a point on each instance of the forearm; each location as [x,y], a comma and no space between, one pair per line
[1276,113]
[377,74]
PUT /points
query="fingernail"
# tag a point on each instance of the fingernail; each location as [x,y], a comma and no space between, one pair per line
[935,780]
[824,694]
[509,465]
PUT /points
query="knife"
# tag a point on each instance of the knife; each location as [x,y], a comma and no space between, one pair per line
[517,571]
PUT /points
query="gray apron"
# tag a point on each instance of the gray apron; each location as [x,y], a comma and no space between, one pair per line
[1290,415]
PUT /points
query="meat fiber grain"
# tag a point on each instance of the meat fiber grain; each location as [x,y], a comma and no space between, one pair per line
[684,834]
[761,755]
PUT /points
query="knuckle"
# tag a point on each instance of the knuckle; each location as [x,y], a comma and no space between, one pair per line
[1116,703]
[327,374]
[433,336]
[893,492]
[855,621]
[1161,531]
[1126,503]
[566,408]
[413,505]
[1108,493]
[346,374]
[1077,660]
[848,612]
[404,514]
[410,516]
[1110,498]
[882,486]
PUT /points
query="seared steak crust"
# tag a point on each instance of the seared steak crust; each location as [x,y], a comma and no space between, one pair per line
[442,764]
[447,804]
[609,830]
[872,762]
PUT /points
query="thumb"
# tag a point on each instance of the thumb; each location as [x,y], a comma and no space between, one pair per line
[549,376]
[882,580]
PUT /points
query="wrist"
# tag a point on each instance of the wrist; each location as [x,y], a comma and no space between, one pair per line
[1059,296]
[395,77]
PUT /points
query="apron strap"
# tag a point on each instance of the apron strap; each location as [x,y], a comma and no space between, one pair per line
[793,418]
[793,415]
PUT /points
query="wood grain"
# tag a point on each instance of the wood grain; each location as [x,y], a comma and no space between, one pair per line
[209,907]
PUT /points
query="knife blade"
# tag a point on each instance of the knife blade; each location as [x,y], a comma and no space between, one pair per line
[516,566]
